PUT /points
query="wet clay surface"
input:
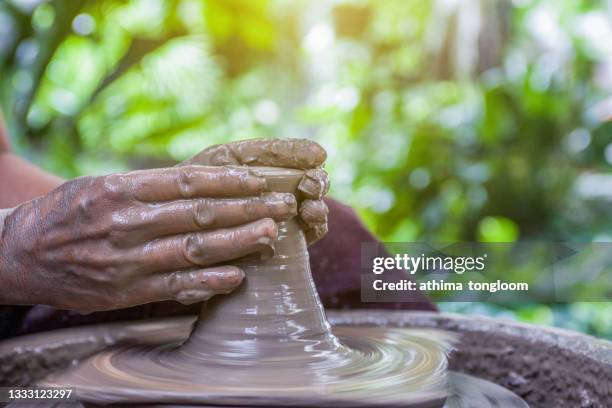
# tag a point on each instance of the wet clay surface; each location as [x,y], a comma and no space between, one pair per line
[270,343]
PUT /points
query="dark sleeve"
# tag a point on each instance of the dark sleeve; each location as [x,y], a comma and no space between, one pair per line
[336,262]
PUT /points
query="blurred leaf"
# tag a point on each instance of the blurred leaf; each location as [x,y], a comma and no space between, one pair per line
[497,229]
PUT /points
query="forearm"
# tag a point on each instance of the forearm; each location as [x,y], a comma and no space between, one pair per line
[21,181]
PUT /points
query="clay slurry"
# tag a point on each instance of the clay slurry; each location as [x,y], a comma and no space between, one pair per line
[269,343]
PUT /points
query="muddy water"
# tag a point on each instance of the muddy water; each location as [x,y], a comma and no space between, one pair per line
[269,343]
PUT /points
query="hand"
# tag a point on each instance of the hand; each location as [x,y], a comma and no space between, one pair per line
[290,153]
[100,243]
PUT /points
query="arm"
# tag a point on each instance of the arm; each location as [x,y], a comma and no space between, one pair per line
[19,180]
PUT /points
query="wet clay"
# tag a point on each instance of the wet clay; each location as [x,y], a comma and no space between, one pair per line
[269,343]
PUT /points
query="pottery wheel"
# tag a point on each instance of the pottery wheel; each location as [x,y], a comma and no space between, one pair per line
[269,343]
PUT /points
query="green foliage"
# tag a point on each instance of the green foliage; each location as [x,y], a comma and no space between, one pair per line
[497,229]
[439,127]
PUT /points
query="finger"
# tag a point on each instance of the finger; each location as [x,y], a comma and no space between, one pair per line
[291,153]
[187,287]
[189,182]
[315,233]
[179,217]
[208,248]
[313,213]
[314,184]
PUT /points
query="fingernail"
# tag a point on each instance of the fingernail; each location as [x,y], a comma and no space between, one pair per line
[306,185]
[290,200]
[265,241]
[191,296]
[239,273]
[266,250]
[257,182]
[318,153]
[314,212]
[263,183]
[279,198]
[233,277]
[310,186]
[251,178]
[311,153]
[266,228]
[283,204]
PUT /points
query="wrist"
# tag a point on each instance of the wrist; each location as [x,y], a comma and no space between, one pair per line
[11,282]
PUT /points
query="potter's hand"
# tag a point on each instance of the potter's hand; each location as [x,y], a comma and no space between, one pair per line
[291,153]
[99,243]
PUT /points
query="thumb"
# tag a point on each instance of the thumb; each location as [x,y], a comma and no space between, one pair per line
[289,153]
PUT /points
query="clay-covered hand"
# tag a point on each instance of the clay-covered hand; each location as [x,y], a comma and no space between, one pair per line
[290,153]
[100,243]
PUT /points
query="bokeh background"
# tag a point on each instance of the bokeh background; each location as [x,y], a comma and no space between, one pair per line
[445,120]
